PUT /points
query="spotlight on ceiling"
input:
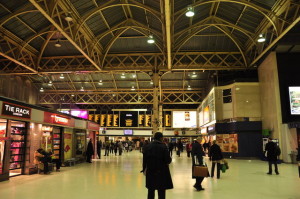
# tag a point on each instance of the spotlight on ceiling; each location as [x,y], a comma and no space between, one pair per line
[189,87]
[132,88]
[61,76]
[123,76]
[57,44]
[189,11]
[194,74]
[82,89]
[72,95]
[151,82]
[134,75]
[150,39]
[50,83]
[261,38]
[42,89]
[68,18]
[100,82]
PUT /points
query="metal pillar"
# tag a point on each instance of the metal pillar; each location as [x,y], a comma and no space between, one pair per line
[155,117]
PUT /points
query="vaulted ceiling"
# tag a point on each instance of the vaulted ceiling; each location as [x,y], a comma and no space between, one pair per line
[101,42]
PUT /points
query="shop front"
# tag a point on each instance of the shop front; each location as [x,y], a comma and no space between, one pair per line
[53,134]
[93,133]
[80,140]
[14,125]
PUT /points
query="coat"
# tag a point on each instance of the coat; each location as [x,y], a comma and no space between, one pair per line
[90,149]
[271,151]
[197,153]
[215,153]
[156,160]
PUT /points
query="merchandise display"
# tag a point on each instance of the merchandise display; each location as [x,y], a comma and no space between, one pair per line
[3,124]
[17,147]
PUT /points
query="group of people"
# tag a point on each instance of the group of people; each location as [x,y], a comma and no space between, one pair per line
[156,160]
[117,147]
[43,158]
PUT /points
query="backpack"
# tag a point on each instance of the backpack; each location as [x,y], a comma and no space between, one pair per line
[277,150]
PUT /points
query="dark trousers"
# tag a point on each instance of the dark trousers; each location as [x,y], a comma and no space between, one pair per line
[106,152]
[57,163]
[270,166]
[171,152]
[99,152]
[198,182]
[213,169]
[161,194]
[46,167]
[188,154]
[89,157]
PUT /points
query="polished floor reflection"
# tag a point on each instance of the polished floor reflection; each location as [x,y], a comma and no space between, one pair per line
[118,177]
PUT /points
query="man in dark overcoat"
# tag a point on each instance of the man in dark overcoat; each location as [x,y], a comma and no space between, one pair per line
[89,151]
[270,150]
[156,160]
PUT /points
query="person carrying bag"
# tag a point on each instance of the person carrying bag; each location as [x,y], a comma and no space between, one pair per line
[198,170]
[215,155]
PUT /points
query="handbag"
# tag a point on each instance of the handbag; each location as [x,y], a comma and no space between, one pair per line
[200,171]
[223,168]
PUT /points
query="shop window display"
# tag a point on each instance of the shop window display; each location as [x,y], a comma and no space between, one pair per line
[80,142]
[3,137]
[17,147]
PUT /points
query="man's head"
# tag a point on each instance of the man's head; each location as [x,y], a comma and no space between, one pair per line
[215,141]
[158,136]
[270,139]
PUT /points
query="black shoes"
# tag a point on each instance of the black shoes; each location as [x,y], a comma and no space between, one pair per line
[198,188]
[277,173]
[269,173]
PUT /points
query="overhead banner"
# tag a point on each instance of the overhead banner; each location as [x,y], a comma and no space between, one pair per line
[15,110]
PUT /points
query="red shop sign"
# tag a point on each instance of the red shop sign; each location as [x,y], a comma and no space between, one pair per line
[56,119]
[93,126]
[4,138]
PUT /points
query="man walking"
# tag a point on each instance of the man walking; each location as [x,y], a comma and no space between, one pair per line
[156,160]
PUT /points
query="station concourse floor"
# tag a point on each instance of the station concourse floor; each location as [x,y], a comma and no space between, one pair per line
[119,177]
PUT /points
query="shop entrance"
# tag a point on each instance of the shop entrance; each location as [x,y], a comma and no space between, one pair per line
[18,132]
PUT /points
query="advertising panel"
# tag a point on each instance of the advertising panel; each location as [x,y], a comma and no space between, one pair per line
[68,143]
[184,119]
[228,142]
[294,93]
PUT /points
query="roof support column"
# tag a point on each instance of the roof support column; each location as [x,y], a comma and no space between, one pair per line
[168,32]
[156,119]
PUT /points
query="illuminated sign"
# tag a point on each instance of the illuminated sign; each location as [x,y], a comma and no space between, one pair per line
[184,119]
[16,110]
[56,119]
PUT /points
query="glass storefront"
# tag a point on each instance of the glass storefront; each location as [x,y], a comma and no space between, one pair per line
[18,132]
[3,126]
[80,142]
[51,140]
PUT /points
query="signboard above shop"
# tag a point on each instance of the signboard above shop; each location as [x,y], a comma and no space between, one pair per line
[13,110]
[54,118]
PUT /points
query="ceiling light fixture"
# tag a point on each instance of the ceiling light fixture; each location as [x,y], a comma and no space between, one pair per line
[72,95]
[189,87]
[68,17]
[189,11]
[134,75]
[82,89]
[100,82]
[151,82]
[42,89]
[132,88]
[57,44]
[61,76]
[50,83]
[261,38]
[150,39]
[123,76]
[194,74]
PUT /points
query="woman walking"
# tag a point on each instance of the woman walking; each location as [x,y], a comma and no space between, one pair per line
[197,159]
